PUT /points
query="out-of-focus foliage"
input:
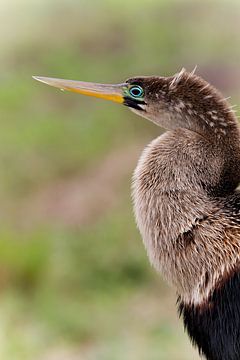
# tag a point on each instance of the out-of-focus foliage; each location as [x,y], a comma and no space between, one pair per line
[74,278]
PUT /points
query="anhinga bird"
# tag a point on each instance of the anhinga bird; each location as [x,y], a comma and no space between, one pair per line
[186,204]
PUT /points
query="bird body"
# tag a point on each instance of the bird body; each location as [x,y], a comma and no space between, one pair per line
[185,200]
[193,239]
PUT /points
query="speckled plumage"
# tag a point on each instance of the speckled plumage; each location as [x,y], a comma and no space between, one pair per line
[187,206]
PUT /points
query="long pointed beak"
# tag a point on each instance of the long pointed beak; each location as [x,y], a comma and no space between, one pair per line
[104,91]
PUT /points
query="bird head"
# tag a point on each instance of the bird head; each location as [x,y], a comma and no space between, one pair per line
[143,95]
[180,101]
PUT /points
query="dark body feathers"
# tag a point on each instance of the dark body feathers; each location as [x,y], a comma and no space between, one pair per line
[215,325]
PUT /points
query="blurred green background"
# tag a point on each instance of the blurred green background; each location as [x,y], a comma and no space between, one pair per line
[75,282]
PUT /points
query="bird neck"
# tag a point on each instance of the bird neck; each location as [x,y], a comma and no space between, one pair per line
[218,124]
[193,104]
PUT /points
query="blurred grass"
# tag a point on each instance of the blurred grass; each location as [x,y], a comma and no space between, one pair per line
[86,290]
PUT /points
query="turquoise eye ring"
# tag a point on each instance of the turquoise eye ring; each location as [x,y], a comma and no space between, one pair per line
[136,91]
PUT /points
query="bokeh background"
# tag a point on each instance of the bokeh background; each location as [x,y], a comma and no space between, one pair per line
[75,282]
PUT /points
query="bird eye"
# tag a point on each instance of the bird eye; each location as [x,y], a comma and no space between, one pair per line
[136,91]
